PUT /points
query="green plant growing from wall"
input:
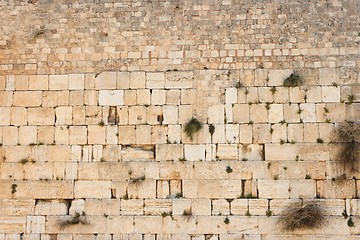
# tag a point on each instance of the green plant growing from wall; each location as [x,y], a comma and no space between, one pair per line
[74,220]
[350,98]
[301,215]
[192,126]
[293,80]
[229,169]
[226,220]
[13,188]
[211,129]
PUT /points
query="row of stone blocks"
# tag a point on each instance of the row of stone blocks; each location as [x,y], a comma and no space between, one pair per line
[175,79]
[170,225]
[140,187]
[184,236]
[175,114]
[172,152]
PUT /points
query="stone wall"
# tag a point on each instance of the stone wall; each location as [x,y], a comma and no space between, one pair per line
[95,98]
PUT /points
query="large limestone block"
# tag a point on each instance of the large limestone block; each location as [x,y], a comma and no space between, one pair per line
[280,152]
[308,112]
[143,224]
[27,98]
[58,82]
[12,224]
[143,152]
[314,151]
[123,80]
[227,151]
[239,207]
[137,80]
[157,206]
[232,132]
[111,97]
[220,207]
[273,188]
[258,113]
[166,152]
[27,135]
[155,80]
[41,116]
[76,81]
[177,226]
[35,224]
[194,152]
[276,113]
[96,134]
[44,189]
[17,207]
[158,97]
[38,171]
[132,207]
[210,225]
[216,114]
[252,152]
[38,82]
[230,95]
[303,189]
[63,115]
[92,189]
[328,76]
[50,207]
[120,224]
[177,79]
[330,94]
[258,207]
[142,188]
[277,77]
[171,114]
[18,116]
[106,80]
[78,135]
[179,206]
[5,116]
[336,189]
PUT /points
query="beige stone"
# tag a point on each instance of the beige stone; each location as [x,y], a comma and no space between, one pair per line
[155,80]
[166,152]
[38,82]
[58,82]
[123,80]
[273,188]
[137,115]
[216,114]
[41,116]
[27,98]
[137,80]
[227,151]
[158,97]
[52,207]
[194,152]
[106,80]
[277,77]
[111,97]
[330,94]
[91,189]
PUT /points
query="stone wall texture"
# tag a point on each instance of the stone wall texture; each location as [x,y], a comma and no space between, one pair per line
[95,96]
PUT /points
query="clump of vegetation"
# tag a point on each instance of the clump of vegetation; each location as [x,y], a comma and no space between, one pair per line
[302,216]
[349,136]
[13,188]
[350,222]
[229,169]
[273,90]
[74,220]
[165,214]
[192,126]
[319,140]
[137,180]
[239,85]
[211,129]
[268,213]
[351,98]
[187,212]
[24,161]
[226,220]
[178,195]
[293,80]
[101,123]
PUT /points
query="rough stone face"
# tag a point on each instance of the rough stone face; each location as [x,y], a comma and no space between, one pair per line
[94,98]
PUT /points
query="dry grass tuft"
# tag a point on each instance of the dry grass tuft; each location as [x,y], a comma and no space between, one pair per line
[302,216]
